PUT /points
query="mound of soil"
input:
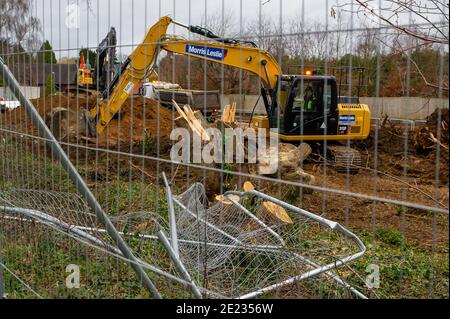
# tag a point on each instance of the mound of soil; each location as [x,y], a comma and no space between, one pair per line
[138,119]
[18,120]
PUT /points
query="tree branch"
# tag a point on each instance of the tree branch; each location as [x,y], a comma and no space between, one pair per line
[402,29]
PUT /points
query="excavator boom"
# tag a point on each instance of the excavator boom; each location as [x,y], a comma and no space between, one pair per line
[138,65]
[245,57]
[140,62]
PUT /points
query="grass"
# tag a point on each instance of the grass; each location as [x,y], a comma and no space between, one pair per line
[390,236]
[228,176]
[119,197]
[42,264]
[30,172]
[406,271]
[149,143]
[39,256]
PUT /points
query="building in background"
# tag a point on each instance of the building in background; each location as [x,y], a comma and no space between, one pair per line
[33,77]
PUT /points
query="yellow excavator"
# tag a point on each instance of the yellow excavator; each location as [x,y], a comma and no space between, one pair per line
[299,107]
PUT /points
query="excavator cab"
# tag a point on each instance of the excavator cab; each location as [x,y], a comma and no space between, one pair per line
[309,106]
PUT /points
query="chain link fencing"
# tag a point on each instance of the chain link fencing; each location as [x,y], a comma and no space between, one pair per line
[351,200]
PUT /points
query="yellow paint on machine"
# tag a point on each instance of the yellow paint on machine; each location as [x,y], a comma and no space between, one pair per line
[359,130]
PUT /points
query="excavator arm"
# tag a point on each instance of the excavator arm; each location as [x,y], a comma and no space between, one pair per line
[245,57]
[224,51]
[137,66]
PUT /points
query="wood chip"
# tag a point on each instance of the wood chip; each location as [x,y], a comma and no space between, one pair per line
[225,114]
[233,113]
[229,113]
[189,116]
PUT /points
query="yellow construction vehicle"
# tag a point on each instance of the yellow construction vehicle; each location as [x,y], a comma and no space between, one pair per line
[299,107]
[89,79]
[84,77]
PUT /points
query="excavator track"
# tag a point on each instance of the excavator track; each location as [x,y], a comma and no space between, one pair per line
[346,159]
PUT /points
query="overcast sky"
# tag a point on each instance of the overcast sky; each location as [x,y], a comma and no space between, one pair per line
[132,18]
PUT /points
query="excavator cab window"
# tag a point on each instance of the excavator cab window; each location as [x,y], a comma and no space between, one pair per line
[311,106]
[306,99]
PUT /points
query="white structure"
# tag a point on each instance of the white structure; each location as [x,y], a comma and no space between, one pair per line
[408,108]
[149,88]
[31,92]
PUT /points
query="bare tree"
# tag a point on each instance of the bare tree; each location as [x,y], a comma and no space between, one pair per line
[222,24]
[18,26]
[340,38]
[430,18]
[268,35]
[219,76]
[367,44]
[313,41]
[296,42]
[414,24]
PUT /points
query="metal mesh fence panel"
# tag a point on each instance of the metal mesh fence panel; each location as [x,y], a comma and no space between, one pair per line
[238,149]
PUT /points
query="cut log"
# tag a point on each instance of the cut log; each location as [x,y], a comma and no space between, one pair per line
[226,201]
[179,110]
[305,150]
[274,212]
[197,124]
[182,114]
[289,158]
[248,186]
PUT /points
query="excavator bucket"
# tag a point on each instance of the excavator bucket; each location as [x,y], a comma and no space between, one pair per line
[68,125]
